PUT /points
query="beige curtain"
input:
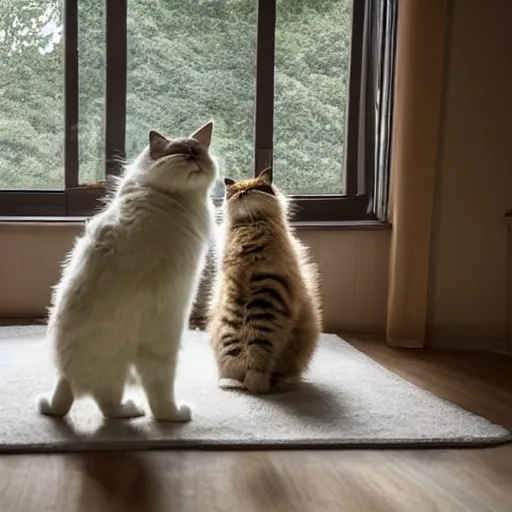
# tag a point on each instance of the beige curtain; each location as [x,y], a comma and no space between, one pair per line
[420,63]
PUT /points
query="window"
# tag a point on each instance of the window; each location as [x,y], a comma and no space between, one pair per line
[189,61]
[302,85]
[312,64]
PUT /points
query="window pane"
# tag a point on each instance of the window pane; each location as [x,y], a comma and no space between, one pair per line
[91,103]
[189,61]
[31,95]
[311,89]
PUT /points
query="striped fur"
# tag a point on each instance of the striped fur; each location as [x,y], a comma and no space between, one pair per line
[265,318]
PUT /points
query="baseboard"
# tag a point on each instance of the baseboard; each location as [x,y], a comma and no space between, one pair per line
[487,344]
[21,321]
[506,352]
[497,345]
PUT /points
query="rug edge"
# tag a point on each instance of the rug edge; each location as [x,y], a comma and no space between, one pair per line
[280,445]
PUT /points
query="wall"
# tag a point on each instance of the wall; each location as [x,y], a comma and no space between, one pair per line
[474,186]
[353,266]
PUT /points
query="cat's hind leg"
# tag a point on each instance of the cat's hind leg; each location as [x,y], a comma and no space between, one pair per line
[264,343]
[231,366]
[260,358]
[229,354]
[112,405]
[299,350]
[110,401]
[156,365]
[59,401]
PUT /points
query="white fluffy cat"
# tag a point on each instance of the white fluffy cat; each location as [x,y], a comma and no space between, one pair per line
[127,287]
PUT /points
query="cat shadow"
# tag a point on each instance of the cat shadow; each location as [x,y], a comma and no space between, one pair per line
[260,484]
[63,428]
[117,478]
[118,481]
[311,400]
[161,436]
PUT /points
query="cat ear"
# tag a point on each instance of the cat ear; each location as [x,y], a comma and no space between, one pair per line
[204,134]
[157,143]
[228,182]
[266,175]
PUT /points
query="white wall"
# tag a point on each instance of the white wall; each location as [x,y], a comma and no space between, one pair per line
[469,257]
[353,266]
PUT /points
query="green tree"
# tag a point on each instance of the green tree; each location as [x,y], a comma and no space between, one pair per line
[31,94]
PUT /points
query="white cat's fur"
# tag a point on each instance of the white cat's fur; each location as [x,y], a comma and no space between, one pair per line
[127,287]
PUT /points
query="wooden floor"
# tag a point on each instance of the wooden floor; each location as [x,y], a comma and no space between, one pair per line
[463,480]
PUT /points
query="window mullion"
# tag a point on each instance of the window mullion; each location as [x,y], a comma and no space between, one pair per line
[71,93]
[116,70]
[354,139]
[264,104]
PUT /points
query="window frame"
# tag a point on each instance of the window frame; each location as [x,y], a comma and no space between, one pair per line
[77,200]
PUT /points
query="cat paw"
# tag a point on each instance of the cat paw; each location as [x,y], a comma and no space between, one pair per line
[230,384]
[176,413]
[44,406]
[125,410]
[257,383]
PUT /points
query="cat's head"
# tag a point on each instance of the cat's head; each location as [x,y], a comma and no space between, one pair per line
[178,165]
[254,198]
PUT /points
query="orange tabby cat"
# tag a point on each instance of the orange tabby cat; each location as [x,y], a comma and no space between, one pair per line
[265,318]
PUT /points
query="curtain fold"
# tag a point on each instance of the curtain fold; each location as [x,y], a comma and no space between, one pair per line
[378,81]
[375,108]
[419,82]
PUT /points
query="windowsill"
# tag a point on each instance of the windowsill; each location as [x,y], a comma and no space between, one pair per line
[342,225]
[50,219]
[353,225]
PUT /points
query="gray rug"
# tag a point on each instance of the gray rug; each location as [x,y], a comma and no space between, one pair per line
[347,400]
